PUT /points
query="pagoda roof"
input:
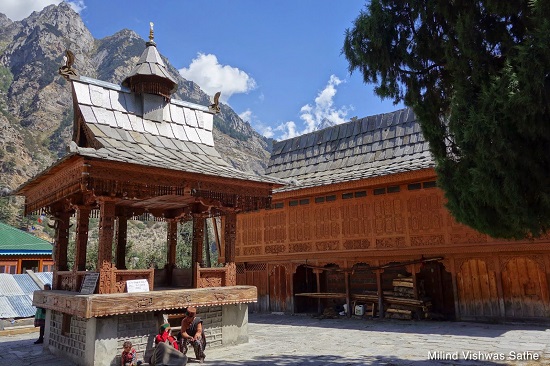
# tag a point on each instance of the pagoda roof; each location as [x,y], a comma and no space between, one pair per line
[111,126]
[369,147]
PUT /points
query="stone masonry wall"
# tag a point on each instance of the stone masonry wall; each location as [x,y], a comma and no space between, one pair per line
[73,344]
[212,322]
[140,329]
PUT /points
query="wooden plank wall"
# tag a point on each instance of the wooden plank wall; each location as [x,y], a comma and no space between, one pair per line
[525,289]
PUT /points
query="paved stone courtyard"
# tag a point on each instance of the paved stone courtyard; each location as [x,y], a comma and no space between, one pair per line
[302,340]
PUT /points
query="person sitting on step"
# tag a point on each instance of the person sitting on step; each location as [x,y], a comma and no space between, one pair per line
[192,332]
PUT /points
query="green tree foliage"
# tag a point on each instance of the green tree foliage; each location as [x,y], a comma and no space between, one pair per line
[477,75]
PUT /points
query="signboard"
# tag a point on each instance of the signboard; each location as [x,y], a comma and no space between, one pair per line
[89,283]
[137,285]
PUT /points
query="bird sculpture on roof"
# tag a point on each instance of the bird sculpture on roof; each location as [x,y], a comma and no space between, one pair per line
[67,69]
[215,107]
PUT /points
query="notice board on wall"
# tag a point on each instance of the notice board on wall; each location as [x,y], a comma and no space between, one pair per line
[89,284]
[137,285]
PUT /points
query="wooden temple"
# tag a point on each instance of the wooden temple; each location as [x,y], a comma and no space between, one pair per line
[365,225]
[136,151]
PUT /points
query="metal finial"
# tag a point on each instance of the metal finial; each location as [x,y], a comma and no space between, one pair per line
[151,33]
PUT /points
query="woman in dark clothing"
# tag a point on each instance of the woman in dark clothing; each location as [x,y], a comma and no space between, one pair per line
[192,332]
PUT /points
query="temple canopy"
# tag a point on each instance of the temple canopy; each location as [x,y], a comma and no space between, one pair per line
[136,151]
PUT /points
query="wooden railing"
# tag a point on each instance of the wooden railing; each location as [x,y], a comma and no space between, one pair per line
[216,276]
[72,280]
[120,276]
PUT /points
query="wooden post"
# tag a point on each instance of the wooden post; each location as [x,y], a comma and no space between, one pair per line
[379,292]
[105,248]
[197,246]
[207,245]
[61,239]
[171,242]
[121,241]
[82,227]
[348,295]
[318,278]
[230,236]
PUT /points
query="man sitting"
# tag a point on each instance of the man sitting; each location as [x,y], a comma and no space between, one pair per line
[192,332]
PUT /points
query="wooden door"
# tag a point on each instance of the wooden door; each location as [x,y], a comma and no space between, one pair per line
[477,291]
[278,289]
[525,289]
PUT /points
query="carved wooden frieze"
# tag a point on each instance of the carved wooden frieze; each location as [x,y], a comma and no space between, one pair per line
[54,187]
[389,243]
[89,306]
[357,244]
[325,246]
[252,250]
[428,240]
[299,247]
[275,249]
[468,237]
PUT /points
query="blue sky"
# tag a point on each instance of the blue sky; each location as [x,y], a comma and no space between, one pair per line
[278,63]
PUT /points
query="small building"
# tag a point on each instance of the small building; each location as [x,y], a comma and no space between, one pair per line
[366,225]
[21,251]
[138,152]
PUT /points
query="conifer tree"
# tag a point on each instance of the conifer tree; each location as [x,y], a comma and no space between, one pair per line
[477,75]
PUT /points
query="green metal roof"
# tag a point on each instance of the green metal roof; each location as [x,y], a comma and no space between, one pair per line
[14,241]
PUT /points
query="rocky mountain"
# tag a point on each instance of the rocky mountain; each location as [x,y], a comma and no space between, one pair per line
[35,102]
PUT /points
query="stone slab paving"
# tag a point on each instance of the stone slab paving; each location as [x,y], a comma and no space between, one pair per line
[302,340]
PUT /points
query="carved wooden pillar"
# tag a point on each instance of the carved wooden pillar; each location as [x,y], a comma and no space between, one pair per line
[82,227]
[61,243]
[121,241]
[230,236]
[105,249]
[171,242]
[197,247]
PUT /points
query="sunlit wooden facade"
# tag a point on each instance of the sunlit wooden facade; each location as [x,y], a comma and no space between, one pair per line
[358,225]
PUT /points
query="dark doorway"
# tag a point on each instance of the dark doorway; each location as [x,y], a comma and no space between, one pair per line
[305,281]
[29,264]
[438,286]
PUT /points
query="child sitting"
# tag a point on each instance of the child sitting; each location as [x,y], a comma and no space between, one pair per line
[129,357]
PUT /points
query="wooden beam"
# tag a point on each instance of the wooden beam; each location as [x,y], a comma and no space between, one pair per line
[230,236]
[197,246]
[98,305]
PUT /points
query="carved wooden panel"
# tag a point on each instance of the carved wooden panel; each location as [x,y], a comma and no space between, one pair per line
[425,212]
[274,227]
[390,243]
[300,224]
[357,244]
[356,219]
[326,222]
[427,240]
[325,246]
[388,216]
[250,229]
[525,289]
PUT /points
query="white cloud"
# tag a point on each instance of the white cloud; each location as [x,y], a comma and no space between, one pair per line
[211,76]
[314,115]
[262,128]
[20,9]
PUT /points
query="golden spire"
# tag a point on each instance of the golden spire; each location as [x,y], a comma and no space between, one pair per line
[151,33]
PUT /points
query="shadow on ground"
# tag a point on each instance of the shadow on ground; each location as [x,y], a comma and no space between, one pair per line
[341,361]
[399,326]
